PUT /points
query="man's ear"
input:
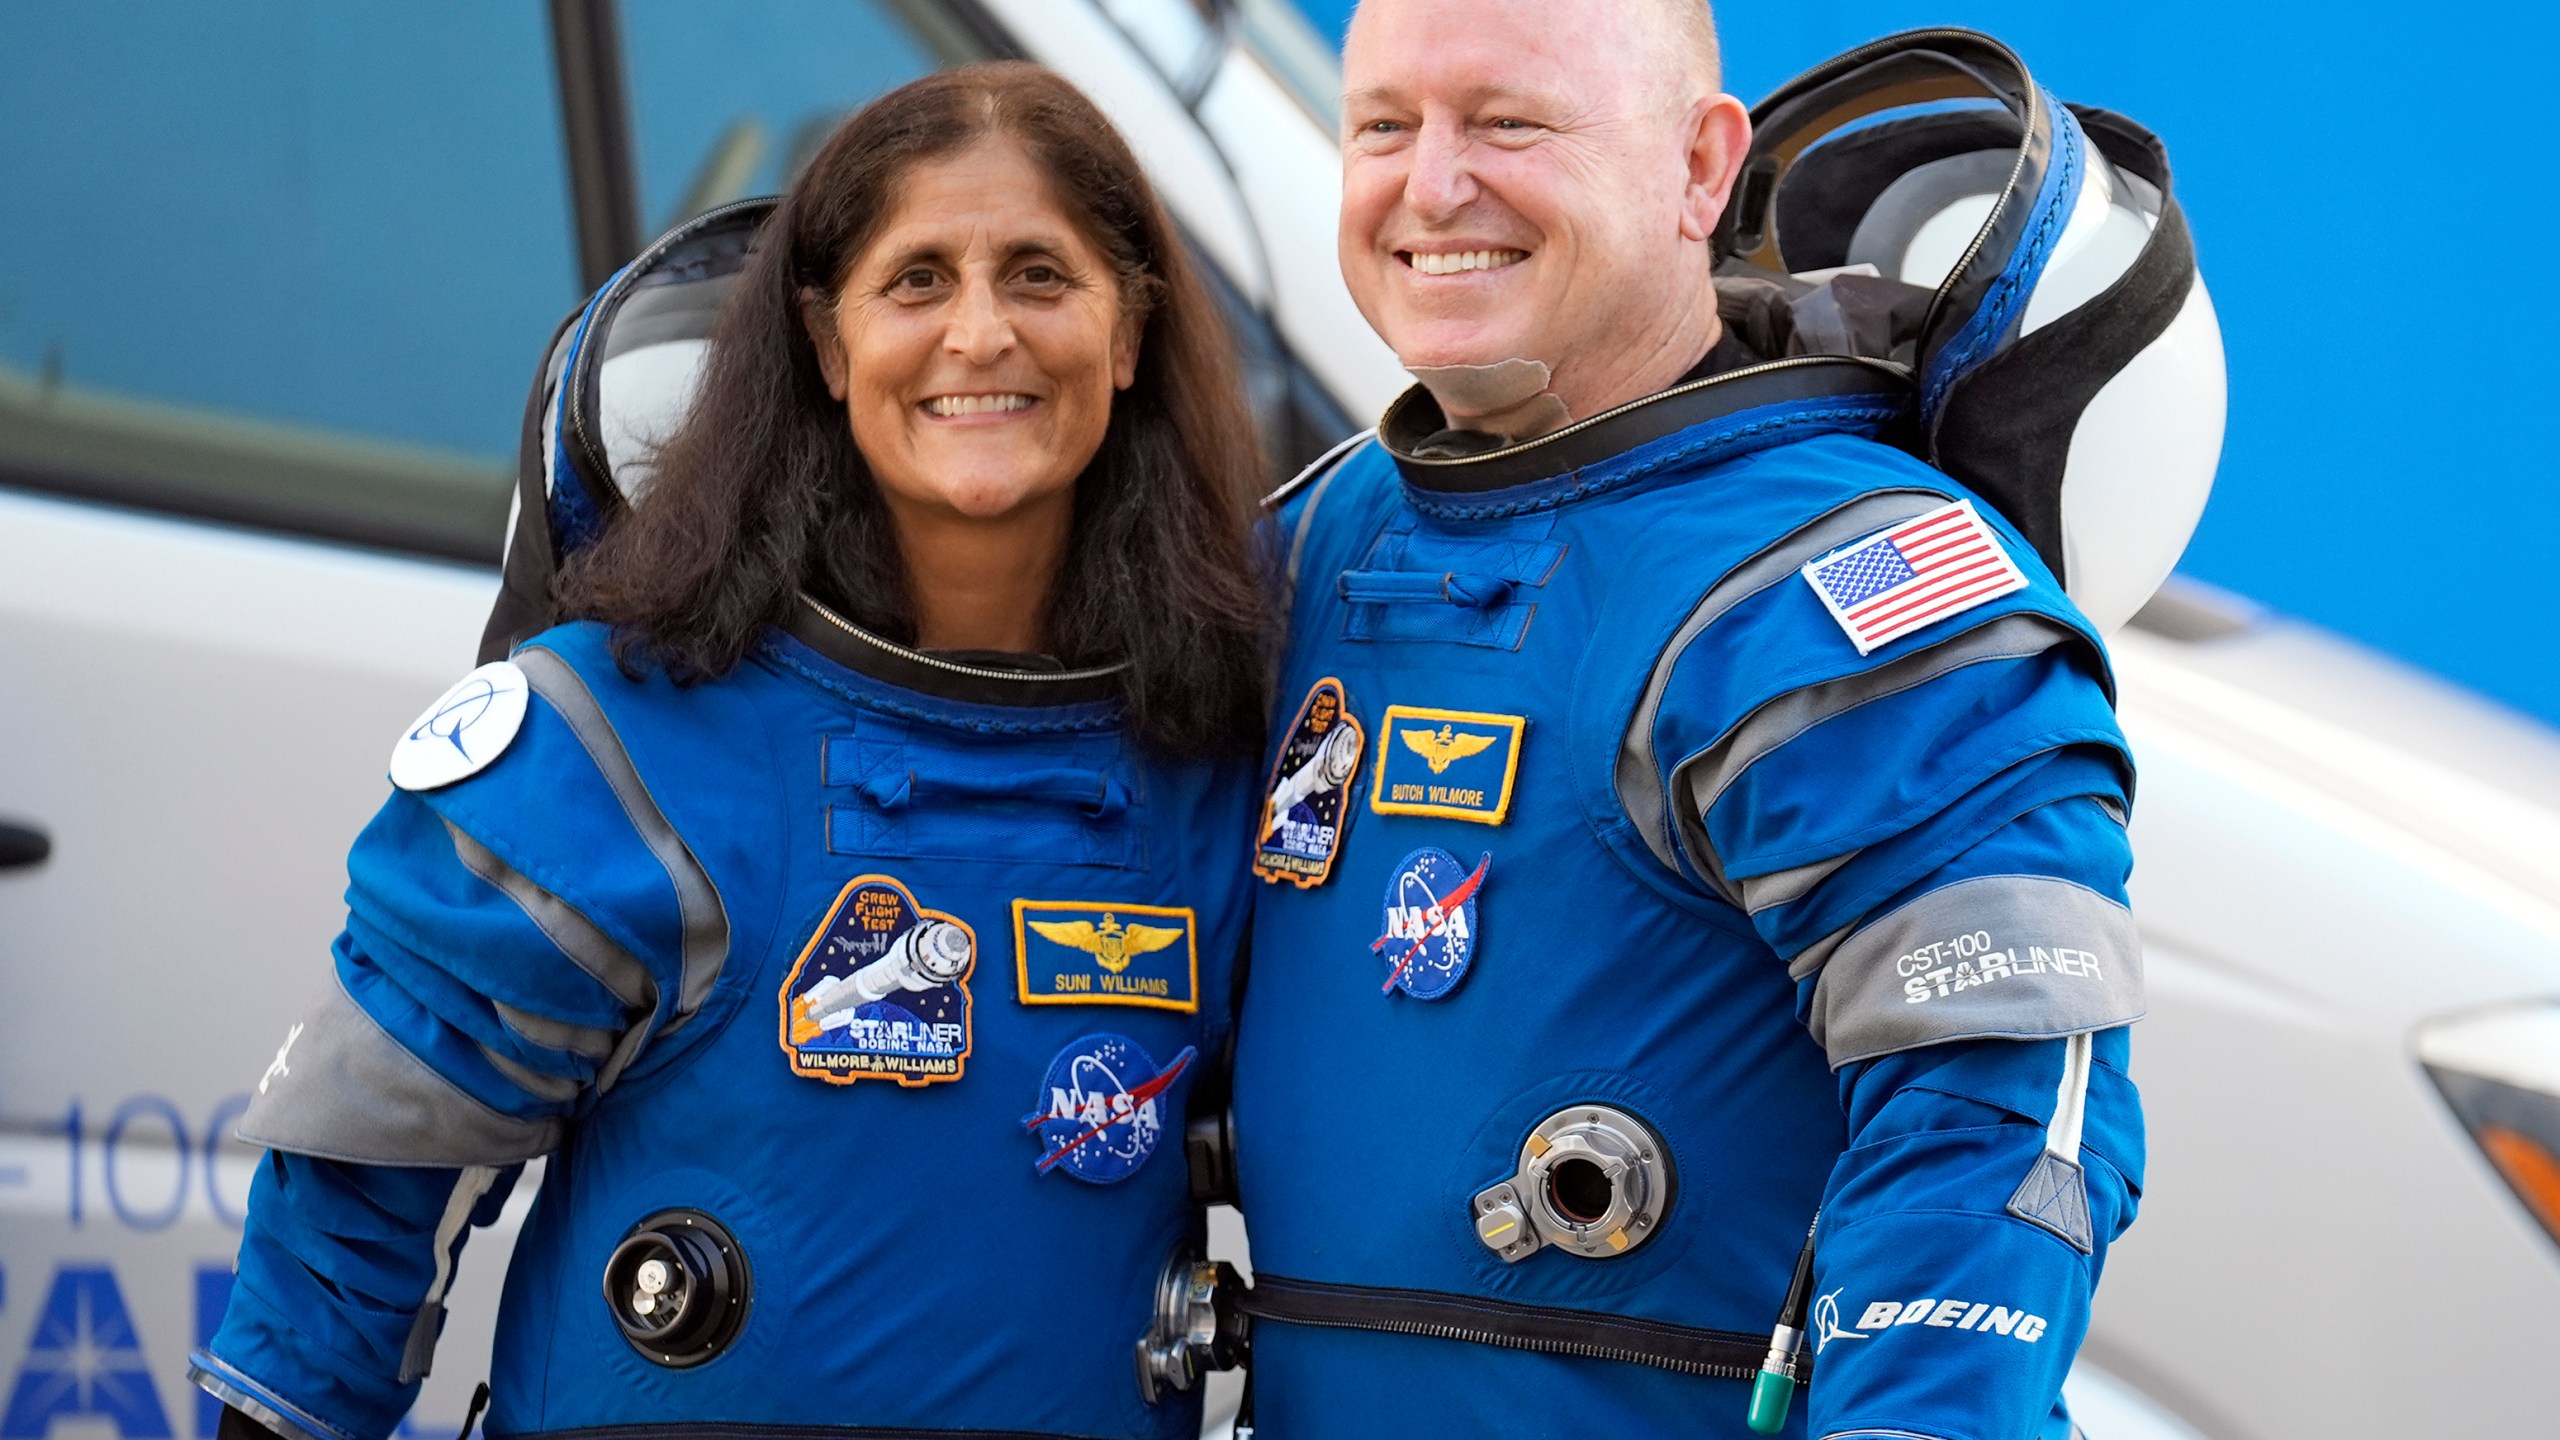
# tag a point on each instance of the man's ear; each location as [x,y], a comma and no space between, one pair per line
[1719,140]
[818,317]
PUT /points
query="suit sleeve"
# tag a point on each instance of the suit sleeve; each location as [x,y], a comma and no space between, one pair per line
[1931,839]
[515,944]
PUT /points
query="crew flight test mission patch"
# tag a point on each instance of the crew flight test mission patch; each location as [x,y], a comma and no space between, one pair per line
[1307,805]
[881,991]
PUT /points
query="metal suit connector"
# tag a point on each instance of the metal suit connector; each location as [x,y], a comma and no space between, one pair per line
[1200,1325]
[1593,1180]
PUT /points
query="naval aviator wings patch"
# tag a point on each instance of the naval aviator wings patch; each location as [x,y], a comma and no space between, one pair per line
[1913,574]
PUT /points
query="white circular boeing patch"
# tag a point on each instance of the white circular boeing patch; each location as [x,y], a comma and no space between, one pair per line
[468,726]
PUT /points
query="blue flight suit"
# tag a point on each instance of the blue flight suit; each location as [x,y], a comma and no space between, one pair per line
[1847,930]
[627,944]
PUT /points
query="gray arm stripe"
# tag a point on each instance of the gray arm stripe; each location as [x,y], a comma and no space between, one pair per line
[1639,777]
[1778,887]
[589,948]
[1705,776]
[584,1041]
[352,1092]
[420,1352]
[551,1088]
[706,921]
[2010,956]
[1709,773]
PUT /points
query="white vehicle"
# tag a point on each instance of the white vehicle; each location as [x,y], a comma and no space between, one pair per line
[267,310]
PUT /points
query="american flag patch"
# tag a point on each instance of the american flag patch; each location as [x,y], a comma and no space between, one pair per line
[1920,571]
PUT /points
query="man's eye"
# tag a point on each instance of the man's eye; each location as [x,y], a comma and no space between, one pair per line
[1512,122]
[1382,127]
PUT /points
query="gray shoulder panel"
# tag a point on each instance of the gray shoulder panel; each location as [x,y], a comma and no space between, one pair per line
[706,920]
[1640,787]
[343,1089]
[2013,956]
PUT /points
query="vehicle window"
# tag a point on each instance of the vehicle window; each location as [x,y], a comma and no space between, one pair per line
[1287,39]
[730,100]
[289,263]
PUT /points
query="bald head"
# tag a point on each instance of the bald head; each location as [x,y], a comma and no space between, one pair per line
[1683,39]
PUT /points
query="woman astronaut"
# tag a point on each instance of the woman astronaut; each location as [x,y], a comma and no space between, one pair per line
[843,903]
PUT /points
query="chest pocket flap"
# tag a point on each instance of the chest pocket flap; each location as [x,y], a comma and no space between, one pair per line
[1422,583]
[899,790]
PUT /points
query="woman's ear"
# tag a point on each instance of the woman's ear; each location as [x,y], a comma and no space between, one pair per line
[818,317]
[1124,348]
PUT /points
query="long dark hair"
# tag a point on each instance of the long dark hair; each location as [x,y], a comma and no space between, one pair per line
[761,491]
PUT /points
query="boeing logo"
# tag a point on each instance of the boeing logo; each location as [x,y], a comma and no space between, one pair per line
[468,726]
[463,707]
[1826,1323]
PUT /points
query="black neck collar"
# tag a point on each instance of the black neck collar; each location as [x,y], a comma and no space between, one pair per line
[1021,680]
[1415,419]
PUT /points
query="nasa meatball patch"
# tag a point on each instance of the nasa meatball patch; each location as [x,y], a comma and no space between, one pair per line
[1103,1107]
[468,726]
[1429,928]
[881,991]
[1307,805]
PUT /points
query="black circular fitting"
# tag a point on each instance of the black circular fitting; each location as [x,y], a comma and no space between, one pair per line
[679,1287]
[1580,1190]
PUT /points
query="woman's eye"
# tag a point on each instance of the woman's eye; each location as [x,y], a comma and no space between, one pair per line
[1041,275]
[915,281]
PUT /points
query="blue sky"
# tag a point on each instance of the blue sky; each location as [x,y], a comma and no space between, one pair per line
[2372,191]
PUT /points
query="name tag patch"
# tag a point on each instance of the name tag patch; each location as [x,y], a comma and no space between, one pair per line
[881,991]
[1452,763]
[1428,933]
[1307,806]
[1103,1107]
[1086,952]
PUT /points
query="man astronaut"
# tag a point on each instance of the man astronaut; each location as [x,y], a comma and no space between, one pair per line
[1763,795]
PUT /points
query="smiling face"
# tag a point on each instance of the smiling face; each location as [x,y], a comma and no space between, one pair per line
[1516,186]
[976,343]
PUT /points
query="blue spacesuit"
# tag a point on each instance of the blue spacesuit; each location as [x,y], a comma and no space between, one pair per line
[853,998]
[1736,832]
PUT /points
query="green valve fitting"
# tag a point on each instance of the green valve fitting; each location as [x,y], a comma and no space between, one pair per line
[1771,1393]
